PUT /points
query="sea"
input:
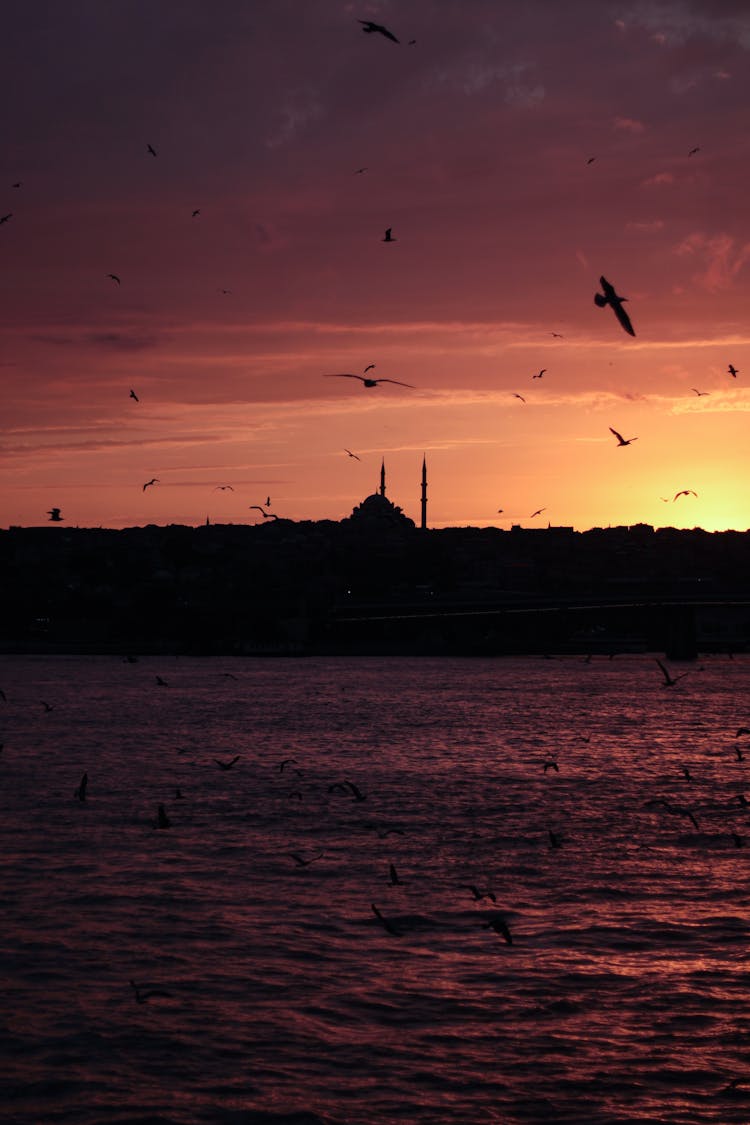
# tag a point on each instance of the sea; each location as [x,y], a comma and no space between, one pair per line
[316,891]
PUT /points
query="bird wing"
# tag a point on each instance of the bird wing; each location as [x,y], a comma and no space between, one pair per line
[623,318]
[396,382]
[619,437]
[343,375]
[665,673]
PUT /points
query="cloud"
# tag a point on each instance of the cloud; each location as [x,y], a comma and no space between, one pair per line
[677,23]
[112,341]
[300,109]
[629,125]
[720,259]
[647,226]
[659,179]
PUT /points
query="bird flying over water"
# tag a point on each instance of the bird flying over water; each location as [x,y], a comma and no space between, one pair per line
[620,439]
[391,929]
[369,27]
[302,862]
[54,515]
[367,382]
[144,997]
[354,455]
[684,492]
[154,480]
[669,680]
[80,793]
[227,765]
[540,374]
[733,371]
[519,396]
[387,237]
[500,926]
[114,277]
[479,895]
[611,298]
[133,395]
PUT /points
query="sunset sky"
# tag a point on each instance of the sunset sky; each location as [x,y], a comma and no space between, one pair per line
[477,142]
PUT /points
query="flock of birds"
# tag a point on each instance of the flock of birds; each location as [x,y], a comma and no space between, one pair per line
[608,297]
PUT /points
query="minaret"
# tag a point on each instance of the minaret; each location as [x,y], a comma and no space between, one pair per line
[424,493]
[382,478]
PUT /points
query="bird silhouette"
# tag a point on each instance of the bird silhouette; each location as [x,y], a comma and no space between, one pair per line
[354,455]
[80,792]
[538,512]
[733,371]
[621,441]
[359,171]
[611,298]
[114,277]
[591,160]
[388,237]
[160,682]
[266,515]
[302,862]
[479,895]
[393,878]
[551,766]
[540,374]
[197,211]
[519,396]
[268,501]
[694,150]
[741,731]
[699,393]
[227,765]
[4,218]
[369,28]
[669,680]
[154,480]
[369,367]
[500,926]
[163,819]
[223,488]
[388,926]
[54,515]
[151,149]
[367,382]
[144,997]
[133,395]
[684,492]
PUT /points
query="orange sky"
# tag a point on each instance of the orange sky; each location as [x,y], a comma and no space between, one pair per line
[477,141]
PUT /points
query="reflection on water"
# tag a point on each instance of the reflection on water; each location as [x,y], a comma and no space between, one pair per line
[276,993]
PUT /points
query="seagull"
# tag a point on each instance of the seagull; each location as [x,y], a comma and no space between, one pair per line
[114,277]
[384,922]
[742,730]
[359,171]
[358,796]
[266,515]
[694,150]
[367,382]
[151,149]
[228,675]
[686,772]
[54,515]
[227,765]
[669,680]
[733,371]
[160,682]
[684,492]
[538,512]
[47,707]
[519,396]
[699,393]
[500,926]
[164,821]
[610,297]
[4,218]
[154,480]
[591,160]
[393,878]
[80,792]
[286,762]
[354,455]
[554,841]
[302,862]
[369,27]
[540,374]
[479,895]
[387,237]
[383,833]
[500,511]
[620,439]
[144,997]
[223,488]
[133,395]
[557,335]
[551,766]
[197,211]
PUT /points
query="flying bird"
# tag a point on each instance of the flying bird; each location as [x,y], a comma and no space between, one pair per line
[144,997]
[369,27]
[114,277]
[80,792]
[302,862]
[163,821]
[359,171]
[197,211]
[620,439]
[684,492]
[479,895]
[133,395]
[227,765]
[540,374]
[694,150]
[393,878]
[500,926]
[591,160]
[391,929]
[4,218]
[223,488]
[611,298]
[266,515]
[354,455]
[733,371]
[54,515]
[367,382]
[551,766]
[387,237]
[557,335]
[741,731]
[519,396]
[669,680]
[160,682]
[154,480]
[538,512]
[369,367]
[699,393]
[151,149]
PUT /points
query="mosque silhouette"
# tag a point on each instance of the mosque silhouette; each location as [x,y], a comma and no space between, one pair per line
[377,510]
